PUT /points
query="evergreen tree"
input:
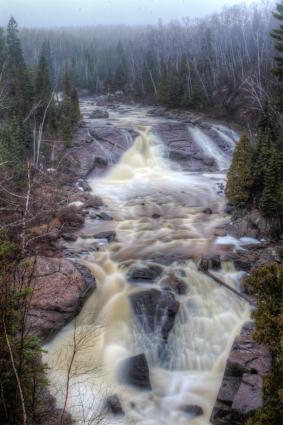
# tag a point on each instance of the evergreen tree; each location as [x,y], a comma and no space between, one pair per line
[240,178]
[70,109]
[120,79]
[13,141]
[44,96]
[109,81]
[277,34]
[174,88]
[183,82]
[20,92]
[163,91]
[271,199]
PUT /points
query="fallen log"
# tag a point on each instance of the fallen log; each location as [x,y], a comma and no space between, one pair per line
[220,282]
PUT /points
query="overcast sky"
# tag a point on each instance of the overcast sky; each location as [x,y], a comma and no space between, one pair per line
[92,12]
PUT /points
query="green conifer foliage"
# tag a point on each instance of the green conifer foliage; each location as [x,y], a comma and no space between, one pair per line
[266,285]
[277,34]
[20,91]
[240,177]
[70,109]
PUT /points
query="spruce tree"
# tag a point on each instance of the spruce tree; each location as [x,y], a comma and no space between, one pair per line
[70,109]
[20,92]
[240,178]
[277,34]
[44,95]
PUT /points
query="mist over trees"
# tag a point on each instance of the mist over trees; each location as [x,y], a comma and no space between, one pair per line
[217,60]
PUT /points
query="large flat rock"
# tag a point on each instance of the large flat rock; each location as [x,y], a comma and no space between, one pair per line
[59,291]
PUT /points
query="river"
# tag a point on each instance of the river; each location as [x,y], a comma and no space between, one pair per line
[161,218]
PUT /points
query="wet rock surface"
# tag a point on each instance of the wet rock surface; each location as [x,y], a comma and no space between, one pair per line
[193,410]
[241,392]
[145,272]
[134,371]
[155,311]
[175,283]
[59,291]
[113,405]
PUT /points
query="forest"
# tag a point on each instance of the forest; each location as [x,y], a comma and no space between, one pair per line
[201,63]
[141,280]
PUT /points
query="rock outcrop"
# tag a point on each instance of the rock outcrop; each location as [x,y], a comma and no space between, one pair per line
[155,311]
[135,371]
[241,391]
[144,272]
[59,291]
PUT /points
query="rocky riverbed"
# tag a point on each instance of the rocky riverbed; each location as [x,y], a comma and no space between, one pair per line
[147,218]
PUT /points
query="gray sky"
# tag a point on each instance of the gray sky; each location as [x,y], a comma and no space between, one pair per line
[92,12]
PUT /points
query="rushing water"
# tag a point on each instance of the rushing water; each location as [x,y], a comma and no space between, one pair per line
[142,184]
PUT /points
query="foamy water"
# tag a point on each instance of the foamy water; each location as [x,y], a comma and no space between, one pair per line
[143,184]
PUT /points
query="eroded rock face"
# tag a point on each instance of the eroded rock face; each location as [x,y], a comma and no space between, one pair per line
[155,311]
[135,371]
[182,148]
[59,291]
[241,394]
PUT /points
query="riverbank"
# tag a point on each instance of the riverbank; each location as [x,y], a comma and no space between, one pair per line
[151,221]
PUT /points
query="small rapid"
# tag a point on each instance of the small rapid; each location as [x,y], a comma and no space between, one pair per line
[159,219]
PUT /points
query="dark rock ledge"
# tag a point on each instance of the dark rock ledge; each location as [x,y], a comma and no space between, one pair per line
[241,391]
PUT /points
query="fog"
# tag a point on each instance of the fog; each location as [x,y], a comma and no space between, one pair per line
[49,13]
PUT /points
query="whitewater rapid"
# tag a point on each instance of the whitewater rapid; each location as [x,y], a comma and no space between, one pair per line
[158,211]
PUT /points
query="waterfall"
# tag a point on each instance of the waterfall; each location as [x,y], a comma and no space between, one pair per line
[189,371]
[210,148]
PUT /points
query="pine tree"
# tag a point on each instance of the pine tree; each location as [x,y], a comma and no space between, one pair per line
[120,79]
[44,95]
[271,198]
[76,113]
[240,178]
[70,109]
[20,90]
[277,34]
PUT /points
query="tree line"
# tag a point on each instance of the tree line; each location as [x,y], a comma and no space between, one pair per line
[31,115]
[213,61]
[255,177]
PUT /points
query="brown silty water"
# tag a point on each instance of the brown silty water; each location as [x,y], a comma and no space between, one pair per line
[158,216]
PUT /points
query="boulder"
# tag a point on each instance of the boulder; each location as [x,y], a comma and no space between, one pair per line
[210,263]
[114,406]
[93,202]
[175,284]
[241,391]
[69,237]
[83,184]
[99,114]
[155,311]
[109,235]
[104,216]
[193,410]
[71,217]
[135,371]
[208,211]
[59,292]
[145,272]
